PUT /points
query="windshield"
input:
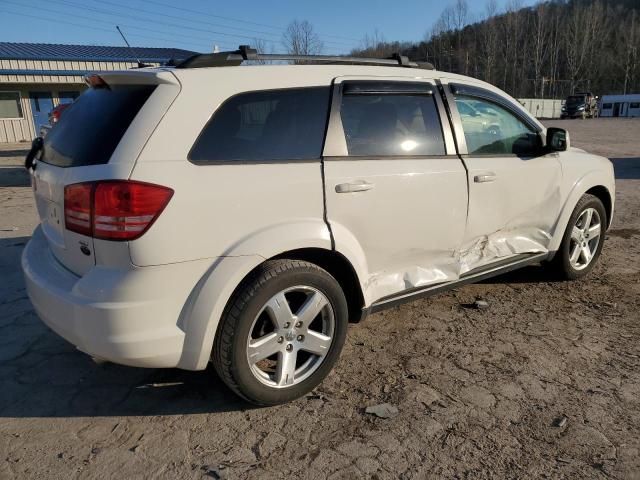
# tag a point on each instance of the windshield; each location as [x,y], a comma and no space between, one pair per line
[93,125]
[575,100]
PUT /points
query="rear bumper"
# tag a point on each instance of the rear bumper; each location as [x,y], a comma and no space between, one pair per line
[130,316]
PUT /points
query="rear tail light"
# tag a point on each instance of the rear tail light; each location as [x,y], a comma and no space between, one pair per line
[113,209]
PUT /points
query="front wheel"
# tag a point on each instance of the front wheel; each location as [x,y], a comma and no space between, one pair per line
[583,239]
[281,333]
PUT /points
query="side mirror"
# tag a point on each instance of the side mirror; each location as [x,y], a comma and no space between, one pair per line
[557,139]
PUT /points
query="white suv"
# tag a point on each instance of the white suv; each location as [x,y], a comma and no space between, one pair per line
[244,215]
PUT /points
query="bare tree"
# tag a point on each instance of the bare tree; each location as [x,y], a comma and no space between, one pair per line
[631,41]
[300,39]
[547,49]
[374,45]
[539,39]
[489,40]
[582,27]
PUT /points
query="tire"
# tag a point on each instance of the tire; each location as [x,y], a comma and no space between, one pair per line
[563,262]
[254,323]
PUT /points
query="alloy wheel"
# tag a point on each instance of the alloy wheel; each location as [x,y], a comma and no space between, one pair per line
[291,336]
[585,238]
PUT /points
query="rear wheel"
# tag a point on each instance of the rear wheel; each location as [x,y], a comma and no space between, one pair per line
[583,239]
[281,333]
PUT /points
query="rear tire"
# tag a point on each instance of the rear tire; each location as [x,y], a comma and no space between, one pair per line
[281,333]
[583,239]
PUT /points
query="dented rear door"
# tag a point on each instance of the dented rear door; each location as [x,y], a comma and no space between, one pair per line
[395,190]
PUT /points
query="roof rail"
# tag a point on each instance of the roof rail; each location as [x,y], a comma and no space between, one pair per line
[245,52]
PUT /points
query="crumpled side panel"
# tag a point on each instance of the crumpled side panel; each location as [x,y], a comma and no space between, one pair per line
[477,253]
[501,244]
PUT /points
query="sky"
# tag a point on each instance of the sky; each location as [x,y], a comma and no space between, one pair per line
[200,24]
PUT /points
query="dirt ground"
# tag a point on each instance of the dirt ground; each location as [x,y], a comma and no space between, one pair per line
[545,383]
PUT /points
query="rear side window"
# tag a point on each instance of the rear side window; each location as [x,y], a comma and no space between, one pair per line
[91,128]
[387,123]
[266,125]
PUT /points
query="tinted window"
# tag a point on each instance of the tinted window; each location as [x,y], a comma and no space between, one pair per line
[606,106]
[634,105]
[491,129]
[92,126]
[10,105]
[391,124]
[266,125]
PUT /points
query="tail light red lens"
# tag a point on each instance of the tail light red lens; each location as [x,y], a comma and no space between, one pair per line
[114,209]
[77,207]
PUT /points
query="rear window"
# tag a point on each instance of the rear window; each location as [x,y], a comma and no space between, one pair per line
[266,125]
[91,128]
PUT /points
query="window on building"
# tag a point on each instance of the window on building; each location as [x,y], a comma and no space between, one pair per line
[390,119]
[607,106]
[67,97]
[10,106]
[266,125]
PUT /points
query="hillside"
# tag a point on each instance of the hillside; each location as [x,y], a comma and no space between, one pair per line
[548,50]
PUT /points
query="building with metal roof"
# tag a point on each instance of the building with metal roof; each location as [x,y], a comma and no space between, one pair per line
[36,77]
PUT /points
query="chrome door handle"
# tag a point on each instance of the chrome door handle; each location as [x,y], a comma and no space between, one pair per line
[360,186]
[485,177]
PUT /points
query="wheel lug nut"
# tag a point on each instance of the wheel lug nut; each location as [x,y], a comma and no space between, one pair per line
[298,324]
[280,339]
[289,347]
[287,325]
[300,338]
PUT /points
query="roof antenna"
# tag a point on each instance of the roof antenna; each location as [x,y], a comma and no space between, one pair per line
[140,64]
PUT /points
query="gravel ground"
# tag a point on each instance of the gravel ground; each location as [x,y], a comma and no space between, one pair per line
[543,383]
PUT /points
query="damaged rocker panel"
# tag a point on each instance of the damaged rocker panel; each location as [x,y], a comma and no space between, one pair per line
[477,275]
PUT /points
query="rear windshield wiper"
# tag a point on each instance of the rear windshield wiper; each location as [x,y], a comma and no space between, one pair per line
[36,146]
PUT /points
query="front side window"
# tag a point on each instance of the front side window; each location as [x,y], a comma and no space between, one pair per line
[10,105]
[266,125]
[490,129]
[388,124]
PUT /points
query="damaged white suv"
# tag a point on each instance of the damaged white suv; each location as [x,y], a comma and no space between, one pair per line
[244,214]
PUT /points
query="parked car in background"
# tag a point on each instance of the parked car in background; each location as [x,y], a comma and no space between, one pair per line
[54,117]
[247,224]
[580,105]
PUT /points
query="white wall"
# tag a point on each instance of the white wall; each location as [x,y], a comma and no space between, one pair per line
[542,108]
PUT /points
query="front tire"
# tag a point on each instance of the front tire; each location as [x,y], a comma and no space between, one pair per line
[583,239]
[281,332]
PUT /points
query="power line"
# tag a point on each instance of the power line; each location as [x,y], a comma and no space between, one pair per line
[201,40]
[254,33]
[87,27]
[141,10]
[129,16]
[200,12]
[146,20]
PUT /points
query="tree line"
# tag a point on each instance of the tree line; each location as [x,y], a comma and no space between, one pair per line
[549,50]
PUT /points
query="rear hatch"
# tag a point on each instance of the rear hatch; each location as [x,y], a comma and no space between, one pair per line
[99,137]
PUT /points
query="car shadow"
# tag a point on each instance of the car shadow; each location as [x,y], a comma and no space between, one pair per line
[14,177]
[626,168]
[529,274]
[44,376]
